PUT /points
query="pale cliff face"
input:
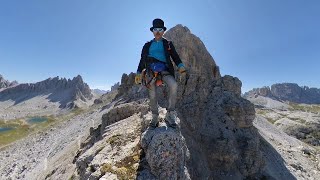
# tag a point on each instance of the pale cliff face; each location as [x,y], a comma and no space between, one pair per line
[288,92]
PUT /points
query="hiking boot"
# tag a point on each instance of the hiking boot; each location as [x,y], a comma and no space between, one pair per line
[154,121]
[171,118]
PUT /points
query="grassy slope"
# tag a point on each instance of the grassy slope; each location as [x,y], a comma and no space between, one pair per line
[23,129]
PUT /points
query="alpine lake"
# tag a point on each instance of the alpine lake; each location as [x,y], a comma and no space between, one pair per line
[12,130]
[34,120]
[4,129]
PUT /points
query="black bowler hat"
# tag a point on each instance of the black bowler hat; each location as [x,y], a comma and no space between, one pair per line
[158,23]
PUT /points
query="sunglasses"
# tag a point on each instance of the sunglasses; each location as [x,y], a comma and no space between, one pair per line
[157,30]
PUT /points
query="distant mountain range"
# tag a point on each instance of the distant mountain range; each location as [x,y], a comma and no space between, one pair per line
[287,92]
[60,89]
[47,97]
[99,91]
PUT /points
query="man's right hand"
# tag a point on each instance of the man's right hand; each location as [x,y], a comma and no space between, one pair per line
[137,79]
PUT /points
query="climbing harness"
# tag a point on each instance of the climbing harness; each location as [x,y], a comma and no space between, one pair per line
[153,72]
[150,77]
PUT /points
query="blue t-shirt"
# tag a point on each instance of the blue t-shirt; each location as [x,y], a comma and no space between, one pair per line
[156,50]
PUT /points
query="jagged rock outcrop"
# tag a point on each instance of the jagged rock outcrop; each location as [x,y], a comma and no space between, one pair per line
[5,83]
[120,112]
[59,90]
[112,151]
[127,149]
[216,121]
[115,86]
[219,131]
[288,92]
[166,153]
[81,90]
[127,82]
[264,91]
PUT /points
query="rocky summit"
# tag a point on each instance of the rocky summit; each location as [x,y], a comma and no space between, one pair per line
[288,92]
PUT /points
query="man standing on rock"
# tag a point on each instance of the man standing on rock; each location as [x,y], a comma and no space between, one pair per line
[156,63]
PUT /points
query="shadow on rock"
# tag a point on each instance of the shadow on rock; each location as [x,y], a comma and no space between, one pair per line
[275,167]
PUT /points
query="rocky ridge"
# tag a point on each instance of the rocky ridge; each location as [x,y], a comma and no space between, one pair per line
[44,98]
[288,92]
[78,89]
[115,86]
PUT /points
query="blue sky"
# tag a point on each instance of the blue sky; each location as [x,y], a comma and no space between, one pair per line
[261,42]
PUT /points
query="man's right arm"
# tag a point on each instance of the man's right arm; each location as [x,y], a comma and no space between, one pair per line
[142,62]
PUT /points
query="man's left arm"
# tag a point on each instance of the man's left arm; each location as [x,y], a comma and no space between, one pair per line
[176,58]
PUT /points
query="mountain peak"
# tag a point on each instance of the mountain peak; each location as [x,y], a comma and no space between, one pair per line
[288,92]
[78,77]
[193,52]
[5,83]
[77,80]
[181,28]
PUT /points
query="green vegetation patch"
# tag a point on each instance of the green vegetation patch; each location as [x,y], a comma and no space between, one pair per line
[126,168]
[272,121]
[22,128]
[305,108]
[300,120]
[261,111]
[18,131]
[115,140]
